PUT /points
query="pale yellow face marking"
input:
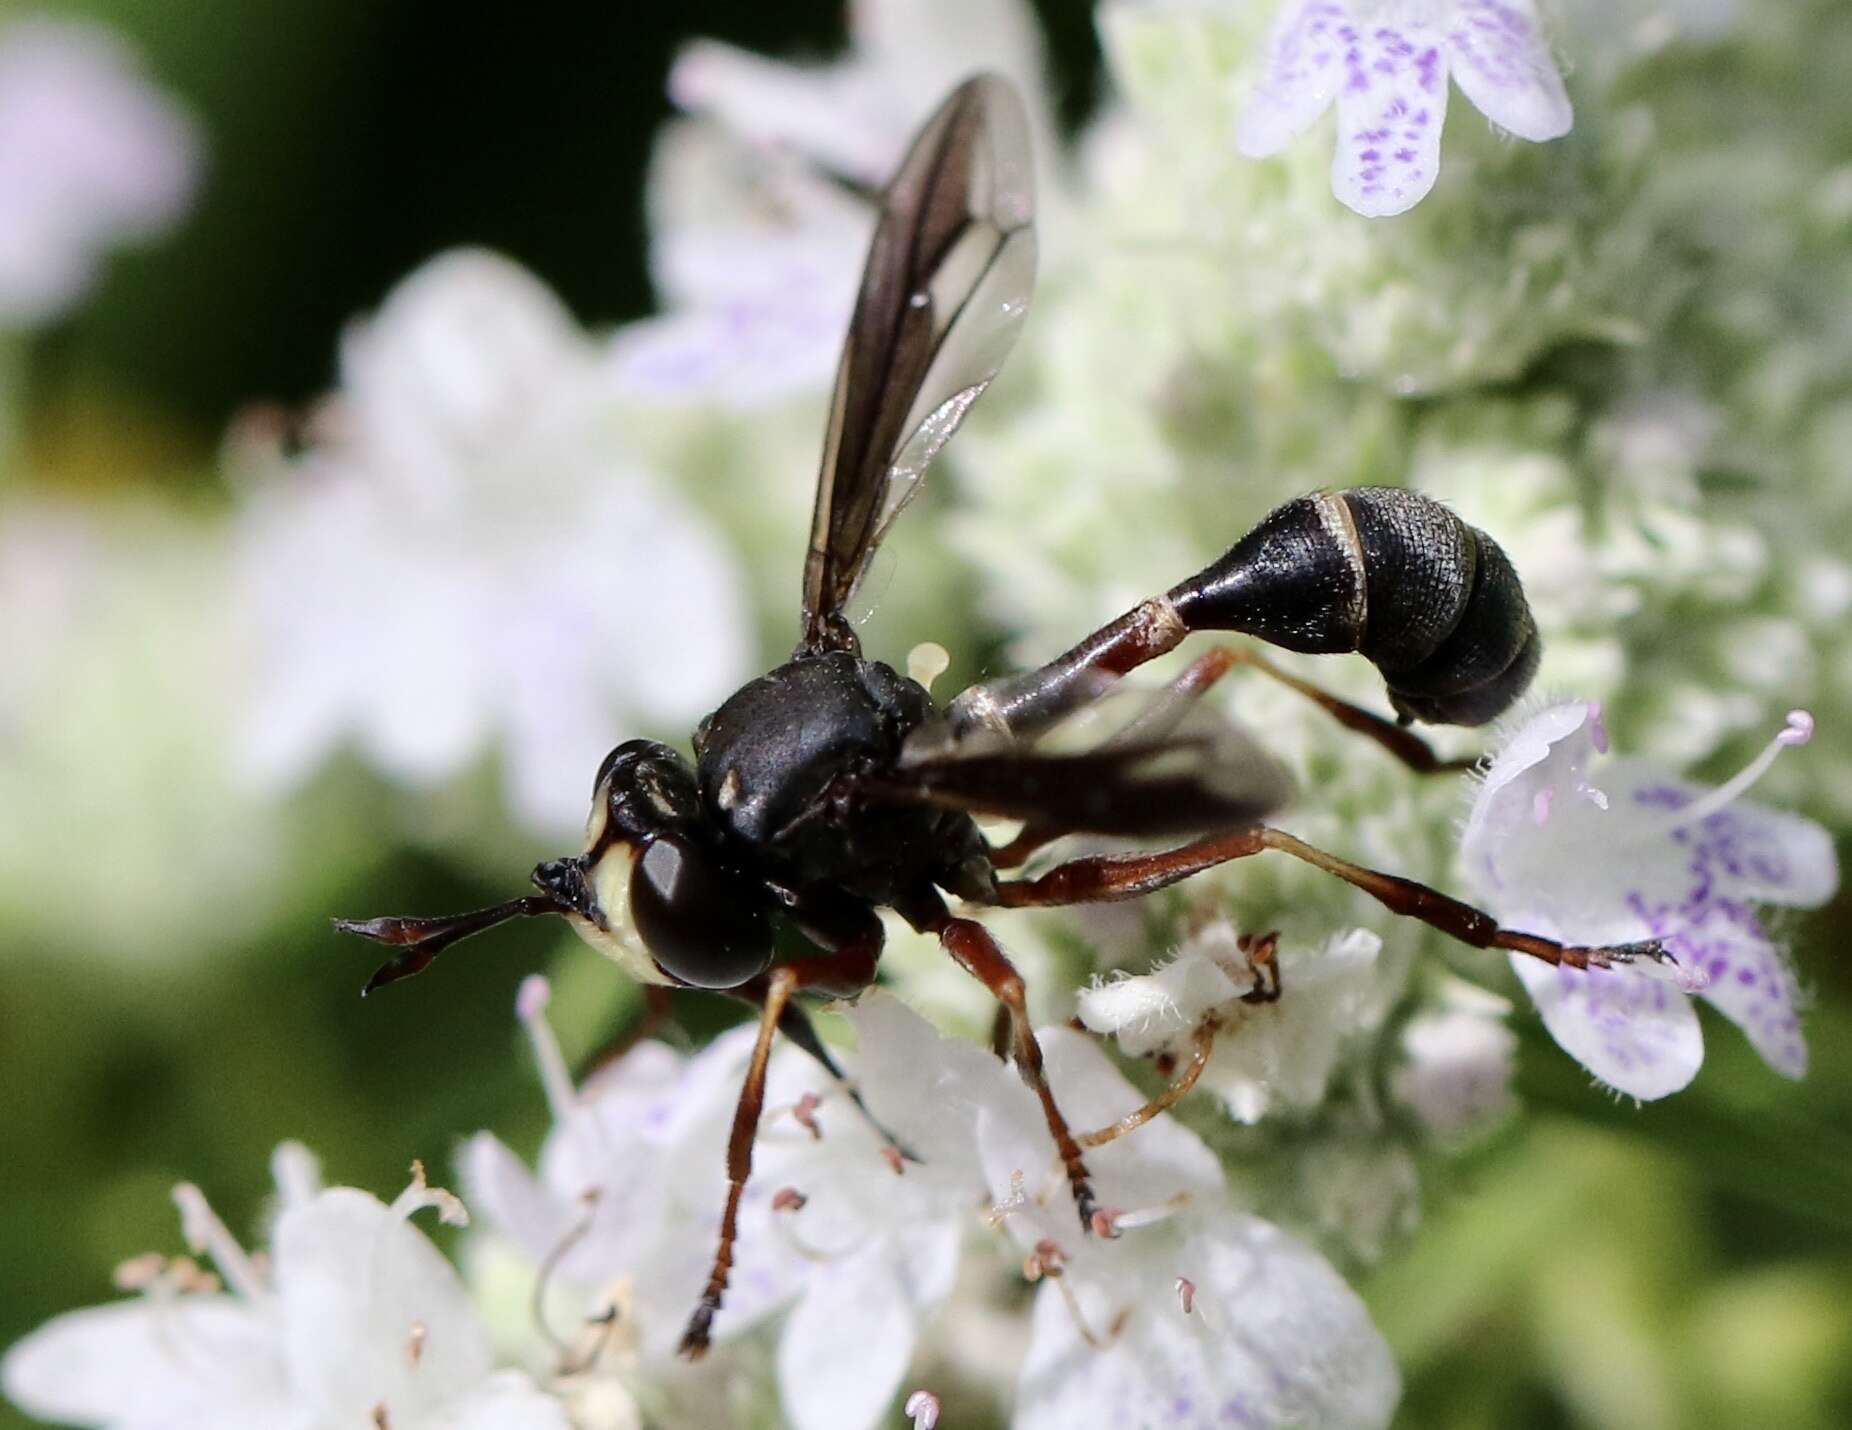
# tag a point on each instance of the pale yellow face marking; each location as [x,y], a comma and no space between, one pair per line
[609,880]
[613,935]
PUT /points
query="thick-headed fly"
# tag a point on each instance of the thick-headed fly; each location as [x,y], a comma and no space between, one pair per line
[833,786]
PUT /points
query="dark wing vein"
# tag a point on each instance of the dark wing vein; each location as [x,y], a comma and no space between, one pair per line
[943,294]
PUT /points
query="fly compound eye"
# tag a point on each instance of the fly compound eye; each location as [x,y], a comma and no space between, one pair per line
[694,919]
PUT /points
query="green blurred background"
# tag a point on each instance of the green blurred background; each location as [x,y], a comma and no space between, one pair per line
[1684,1264]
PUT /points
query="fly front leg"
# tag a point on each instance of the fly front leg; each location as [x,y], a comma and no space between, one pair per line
[841,974]
[1111,877]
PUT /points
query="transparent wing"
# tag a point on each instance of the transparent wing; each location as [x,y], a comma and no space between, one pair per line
[944,293]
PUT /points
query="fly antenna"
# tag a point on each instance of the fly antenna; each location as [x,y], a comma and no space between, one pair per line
[421,940]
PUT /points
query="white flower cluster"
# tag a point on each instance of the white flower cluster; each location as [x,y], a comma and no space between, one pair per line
[350,1318]
[469,550]
[484,551]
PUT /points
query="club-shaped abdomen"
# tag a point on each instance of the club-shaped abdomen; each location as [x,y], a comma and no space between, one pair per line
[1389,573]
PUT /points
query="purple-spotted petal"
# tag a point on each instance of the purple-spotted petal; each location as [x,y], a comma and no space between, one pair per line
[1392,99]
[1744,851]
[1503,65]
[1638,1034]
[1304,63]
[1748,980]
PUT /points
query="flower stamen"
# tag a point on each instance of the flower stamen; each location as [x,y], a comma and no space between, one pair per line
[1797,731]
[1124,1221]
[530,1006]
[1002,1211]
[543,1277]
[139,1273]
[923,1406]
[207,1236]
[297,1174]
[790,1201]
[596,1335]
[421,1194]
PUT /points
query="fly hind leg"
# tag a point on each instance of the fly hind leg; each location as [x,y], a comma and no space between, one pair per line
[1173,704]
[1110,877]
[1398,740]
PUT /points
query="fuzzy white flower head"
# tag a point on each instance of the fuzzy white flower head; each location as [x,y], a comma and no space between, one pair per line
[755,248]
[1632,853]
[1266,1053]
[473,555]
[355,1319]
[1194,1314]
[834,1224]
[91,155]
[1386,63]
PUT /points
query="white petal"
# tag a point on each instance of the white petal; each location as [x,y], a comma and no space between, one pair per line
[1636,1033]
[507,1400]
[1162,1158]
[926,1088]
[1152,1010]
[752,352]
[929,48]
[459,352]
[832,114]
[356,1282]
[758,280]
[1286,1051]
[1391,104]
[507,1198]
[1540,834]
[1502,63]
[208,1361]
[859,1303]
[1305,56]
[1275,1339]
[1744,851]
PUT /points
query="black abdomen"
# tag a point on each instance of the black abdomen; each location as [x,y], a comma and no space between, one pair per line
[777,765]
[1433,602]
